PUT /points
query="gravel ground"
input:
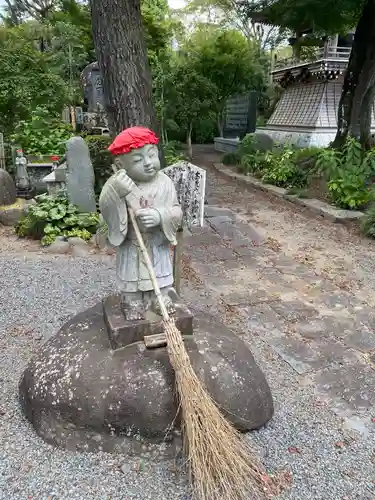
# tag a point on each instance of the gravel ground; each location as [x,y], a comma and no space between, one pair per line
[36,296]
[322,458]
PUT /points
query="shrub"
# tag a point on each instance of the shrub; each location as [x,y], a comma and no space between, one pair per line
[349,173]
[172,153]
[283,172]
[101,158]
[368,222]
[231,159]
[43,134]
[51,217]
[255,163]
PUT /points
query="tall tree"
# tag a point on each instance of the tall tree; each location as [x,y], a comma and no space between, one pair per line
[26,80]
[357,98]
[122,57]
[231,14]
[227,60]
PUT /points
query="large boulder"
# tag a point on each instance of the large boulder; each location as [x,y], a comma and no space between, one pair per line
[78,393]
[8,192]
[10,215]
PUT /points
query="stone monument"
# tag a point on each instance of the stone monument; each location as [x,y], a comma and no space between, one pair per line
[104,381]
[190,182]
[80,177]
[240,119]
[24,189]
[8,191]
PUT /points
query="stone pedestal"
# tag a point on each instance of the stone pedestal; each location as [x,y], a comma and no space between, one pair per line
[80,393]
[55,181]
[122,333]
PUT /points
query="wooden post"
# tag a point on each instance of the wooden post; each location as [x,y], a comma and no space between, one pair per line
[177,261]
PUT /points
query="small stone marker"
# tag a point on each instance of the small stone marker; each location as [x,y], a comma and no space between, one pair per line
[80,178]
[190,183]
[8,192]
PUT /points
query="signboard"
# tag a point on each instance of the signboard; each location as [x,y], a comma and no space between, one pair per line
[240,115]
[190,184]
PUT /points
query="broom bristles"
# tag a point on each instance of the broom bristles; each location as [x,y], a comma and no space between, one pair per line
[221,464]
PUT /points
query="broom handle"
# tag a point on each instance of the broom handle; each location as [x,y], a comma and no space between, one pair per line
[149,265]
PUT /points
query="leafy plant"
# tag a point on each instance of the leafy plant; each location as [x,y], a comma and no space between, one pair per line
[248,145]
[172,153]
[283,172]
[255,163]
[231,159]
[51,217]
[368,222]
[101,158]
[42,134]
[348,172]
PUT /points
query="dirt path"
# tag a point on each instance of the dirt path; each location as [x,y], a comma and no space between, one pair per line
[334,251]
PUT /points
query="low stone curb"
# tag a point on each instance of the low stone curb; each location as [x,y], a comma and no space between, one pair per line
[319,207]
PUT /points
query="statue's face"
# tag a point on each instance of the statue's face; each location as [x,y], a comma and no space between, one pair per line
[141,164]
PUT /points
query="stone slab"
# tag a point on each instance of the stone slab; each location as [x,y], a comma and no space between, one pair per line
[294,310]
[262,320]
[306,357]
[214,211]
[122,333]
[354,384]
[248,297]
[229,231]
[361,339]
[313,329]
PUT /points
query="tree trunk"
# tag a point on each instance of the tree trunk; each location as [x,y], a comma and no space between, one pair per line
[123,62]
[188,142]
[366,116]
[220,123]
[358,81]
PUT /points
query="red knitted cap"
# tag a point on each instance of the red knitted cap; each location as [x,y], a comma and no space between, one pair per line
[132,138]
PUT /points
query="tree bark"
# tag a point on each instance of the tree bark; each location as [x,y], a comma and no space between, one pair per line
[359,79]
[188,142]
[123,62]
[366,116]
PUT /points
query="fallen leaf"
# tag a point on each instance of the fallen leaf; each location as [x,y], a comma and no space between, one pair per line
[373,420]
[293,449]
[340,444]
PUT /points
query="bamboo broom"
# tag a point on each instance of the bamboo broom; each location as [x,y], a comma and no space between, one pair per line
[221,464]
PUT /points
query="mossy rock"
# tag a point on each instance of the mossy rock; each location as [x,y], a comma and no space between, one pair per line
[10,215]
[8,192]
[263,142]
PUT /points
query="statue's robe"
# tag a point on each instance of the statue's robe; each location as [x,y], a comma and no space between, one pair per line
[131,270]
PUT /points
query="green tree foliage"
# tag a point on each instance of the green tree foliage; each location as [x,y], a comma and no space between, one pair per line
[26,80]
[228,62]
[232,14]
[190,96]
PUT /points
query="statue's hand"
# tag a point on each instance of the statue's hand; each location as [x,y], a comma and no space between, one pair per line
[149,217]
[123,183]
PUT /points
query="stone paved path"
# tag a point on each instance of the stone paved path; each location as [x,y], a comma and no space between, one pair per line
[310,333]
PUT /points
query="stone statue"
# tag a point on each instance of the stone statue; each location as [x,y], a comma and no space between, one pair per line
[80,178]
[139,182]
[22,177]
